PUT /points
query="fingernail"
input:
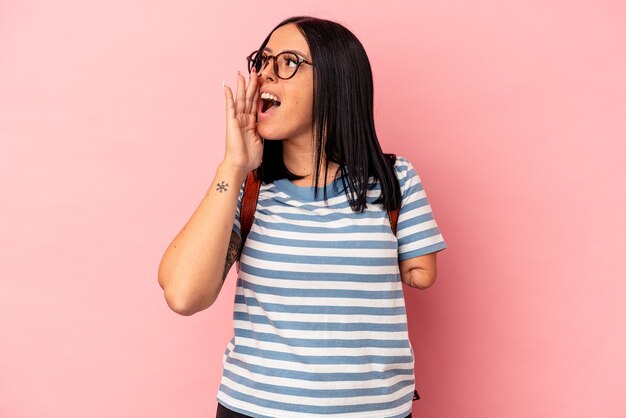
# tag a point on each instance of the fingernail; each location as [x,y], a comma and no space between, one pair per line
[223,84]
[238,72]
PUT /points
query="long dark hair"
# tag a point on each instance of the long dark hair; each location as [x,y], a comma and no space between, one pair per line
[343,113]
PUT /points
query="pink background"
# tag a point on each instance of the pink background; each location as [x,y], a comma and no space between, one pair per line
[112,125]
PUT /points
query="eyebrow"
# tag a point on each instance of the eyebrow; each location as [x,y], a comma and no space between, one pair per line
[288,50]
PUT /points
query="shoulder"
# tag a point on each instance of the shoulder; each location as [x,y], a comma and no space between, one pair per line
[404,170]
[402,164]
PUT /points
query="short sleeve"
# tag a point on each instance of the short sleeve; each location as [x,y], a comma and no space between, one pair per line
[417,231]
[237,221]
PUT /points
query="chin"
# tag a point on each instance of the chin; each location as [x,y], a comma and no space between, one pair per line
[268,134]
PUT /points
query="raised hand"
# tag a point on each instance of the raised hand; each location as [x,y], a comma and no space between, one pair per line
[244,146]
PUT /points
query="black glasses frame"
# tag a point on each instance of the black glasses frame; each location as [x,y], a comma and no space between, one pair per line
[301,60]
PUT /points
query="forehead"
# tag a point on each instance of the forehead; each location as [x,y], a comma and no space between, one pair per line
[287,37]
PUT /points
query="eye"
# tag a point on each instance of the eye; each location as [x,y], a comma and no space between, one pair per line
[288,59]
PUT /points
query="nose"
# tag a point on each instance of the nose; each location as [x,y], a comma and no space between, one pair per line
[268,71]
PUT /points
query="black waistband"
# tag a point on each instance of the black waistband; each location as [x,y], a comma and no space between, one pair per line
[223,412]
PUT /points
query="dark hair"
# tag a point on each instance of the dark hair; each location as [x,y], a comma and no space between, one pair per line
[343,112]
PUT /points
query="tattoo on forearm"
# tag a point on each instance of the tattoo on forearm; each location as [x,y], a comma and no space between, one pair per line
[222,187]
[233,252]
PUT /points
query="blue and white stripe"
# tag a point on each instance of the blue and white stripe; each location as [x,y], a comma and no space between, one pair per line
[320,326]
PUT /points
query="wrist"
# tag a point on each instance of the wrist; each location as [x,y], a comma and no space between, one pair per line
[232,170]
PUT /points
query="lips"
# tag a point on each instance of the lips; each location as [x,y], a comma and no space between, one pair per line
[268,101]
[266,90]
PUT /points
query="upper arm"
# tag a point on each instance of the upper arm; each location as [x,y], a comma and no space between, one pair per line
[418,235]
[420,271]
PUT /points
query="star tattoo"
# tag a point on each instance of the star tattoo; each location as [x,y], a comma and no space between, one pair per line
[222,187]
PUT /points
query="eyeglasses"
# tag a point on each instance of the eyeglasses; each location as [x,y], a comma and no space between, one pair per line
[285,64]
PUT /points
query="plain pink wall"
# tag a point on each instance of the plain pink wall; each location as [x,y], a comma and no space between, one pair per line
[112,125]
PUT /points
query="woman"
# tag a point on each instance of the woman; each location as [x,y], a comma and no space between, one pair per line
[320,321]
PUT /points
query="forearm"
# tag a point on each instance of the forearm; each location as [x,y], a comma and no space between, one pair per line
[419,278]
[192,267]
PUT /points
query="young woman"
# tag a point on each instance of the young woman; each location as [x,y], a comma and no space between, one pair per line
[319,316]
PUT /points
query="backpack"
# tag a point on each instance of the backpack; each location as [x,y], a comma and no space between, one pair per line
[251,195]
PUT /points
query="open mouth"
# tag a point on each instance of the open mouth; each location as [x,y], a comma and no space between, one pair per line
[268,101]
[267,104]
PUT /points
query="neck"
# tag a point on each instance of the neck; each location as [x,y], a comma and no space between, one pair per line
[299,157]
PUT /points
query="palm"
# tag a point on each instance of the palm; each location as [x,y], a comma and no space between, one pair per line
[246,142]
[244,146]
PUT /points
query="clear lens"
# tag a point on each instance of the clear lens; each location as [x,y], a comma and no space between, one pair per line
[258,61]
[287,64]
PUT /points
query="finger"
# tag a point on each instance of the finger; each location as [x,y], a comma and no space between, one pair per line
[250,91]
[240,103]
[255,102]
[230,106]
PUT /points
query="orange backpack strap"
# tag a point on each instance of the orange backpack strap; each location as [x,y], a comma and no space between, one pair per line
[248,204]
[393,214]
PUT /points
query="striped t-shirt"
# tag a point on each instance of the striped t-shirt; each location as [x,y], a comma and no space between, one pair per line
[320,326]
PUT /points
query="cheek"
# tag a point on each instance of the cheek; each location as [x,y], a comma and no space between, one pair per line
[302,105]
[305,109]
[304,99]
